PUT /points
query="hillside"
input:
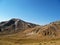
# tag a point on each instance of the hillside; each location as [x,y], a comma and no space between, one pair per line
[14,25]
[17,31]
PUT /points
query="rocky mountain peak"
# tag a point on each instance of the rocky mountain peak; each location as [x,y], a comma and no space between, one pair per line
[15,25]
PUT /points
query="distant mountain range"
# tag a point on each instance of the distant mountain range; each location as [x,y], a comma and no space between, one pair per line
[29,30]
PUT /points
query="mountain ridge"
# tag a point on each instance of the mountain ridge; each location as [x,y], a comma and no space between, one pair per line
[29,30]
[15,24]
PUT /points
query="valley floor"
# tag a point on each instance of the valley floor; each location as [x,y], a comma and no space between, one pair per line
[10,41]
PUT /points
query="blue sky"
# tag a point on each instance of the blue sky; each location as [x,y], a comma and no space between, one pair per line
[35,11]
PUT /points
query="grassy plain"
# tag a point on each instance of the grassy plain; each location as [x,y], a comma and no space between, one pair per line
[17,41]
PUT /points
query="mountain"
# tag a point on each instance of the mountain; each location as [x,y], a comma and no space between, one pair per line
[14,25]
[19,32]
[46,32]
[26,30]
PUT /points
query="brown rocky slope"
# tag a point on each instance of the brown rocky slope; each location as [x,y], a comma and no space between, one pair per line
[27,30]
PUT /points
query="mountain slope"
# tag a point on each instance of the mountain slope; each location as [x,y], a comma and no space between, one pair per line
[30,31]
[19,32]
[14,25]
